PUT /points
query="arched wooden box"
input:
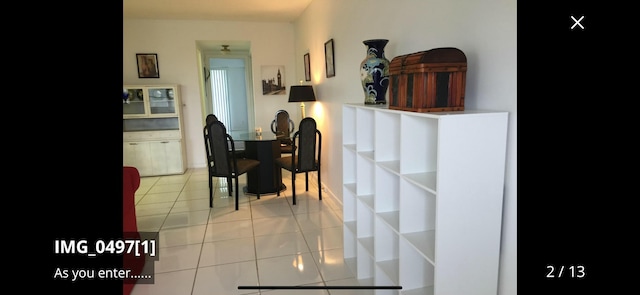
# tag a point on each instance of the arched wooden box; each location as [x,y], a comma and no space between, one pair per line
[428,81]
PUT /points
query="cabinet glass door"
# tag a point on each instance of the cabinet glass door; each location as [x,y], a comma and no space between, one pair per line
[161,100]
[133,101]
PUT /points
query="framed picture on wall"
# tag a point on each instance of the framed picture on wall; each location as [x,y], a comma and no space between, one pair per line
[307,67]
[273,82]
[148,65]
[328,58]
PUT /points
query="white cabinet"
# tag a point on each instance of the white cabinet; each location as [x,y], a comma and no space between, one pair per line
[154,157]
[153,134]
[422,198]
[137,154]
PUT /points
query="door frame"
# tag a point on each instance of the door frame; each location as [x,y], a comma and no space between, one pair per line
[206,86]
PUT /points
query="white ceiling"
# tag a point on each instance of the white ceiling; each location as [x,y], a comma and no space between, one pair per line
[224,10]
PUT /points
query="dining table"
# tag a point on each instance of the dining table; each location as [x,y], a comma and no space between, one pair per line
[264,148]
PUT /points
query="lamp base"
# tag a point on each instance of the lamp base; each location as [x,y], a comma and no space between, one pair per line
[302,111]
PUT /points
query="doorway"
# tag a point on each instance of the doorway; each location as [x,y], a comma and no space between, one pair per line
[228,87]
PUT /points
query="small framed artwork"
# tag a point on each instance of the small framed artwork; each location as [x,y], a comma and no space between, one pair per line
[329,59]
[148,65]
[307,67]
[273,82]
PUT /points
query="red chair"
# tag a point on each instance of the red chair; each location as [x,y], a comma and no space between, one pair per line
[130,184]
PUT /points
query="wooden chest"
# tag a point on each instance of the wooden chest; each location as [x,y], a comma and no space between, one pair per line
[428,81]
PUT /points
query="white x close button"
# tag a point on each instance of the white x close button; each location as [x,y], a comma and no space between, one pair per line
[577,22]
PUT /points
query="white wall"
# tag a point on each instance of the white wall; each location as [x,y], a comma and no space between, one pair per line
[484,30]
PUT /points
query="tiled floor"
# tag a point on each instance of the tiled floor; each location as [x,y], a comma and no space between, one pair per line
[268,242]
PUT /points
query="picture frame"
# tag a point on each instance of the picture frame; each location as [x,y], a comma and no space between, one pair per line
[307,67]
[273,80]
[148,65]
[329,59]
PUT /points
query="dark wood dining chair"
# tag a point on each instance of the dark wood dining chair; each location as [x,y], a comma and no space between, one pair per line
[222,163]
[238,153]
[282,126]
[305,156]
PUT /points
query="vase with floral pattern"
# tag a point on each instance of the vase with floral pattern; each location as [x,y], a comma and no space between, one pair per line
[374,72]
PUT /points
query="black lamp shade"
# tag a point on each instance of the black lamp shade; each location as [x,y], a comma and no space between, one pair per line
[300,93]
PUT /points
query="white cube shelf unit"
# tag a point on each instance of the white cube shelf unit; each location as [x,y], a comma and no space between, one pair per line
[422,197]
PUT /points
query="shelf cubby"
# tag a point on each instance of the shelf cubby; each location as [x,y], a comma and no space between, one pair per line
[349,127]
[386,275]
[364,224]
[385,242]
[365,175]
[365,128]
[387,146]
[349,165]
[386,188]
[419,151]
[415,271]
[364,261]
[349,202]
[349,234]
[415,201]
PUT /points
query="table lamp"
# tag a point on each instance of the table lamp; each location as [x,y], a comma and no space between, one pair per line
[301,93]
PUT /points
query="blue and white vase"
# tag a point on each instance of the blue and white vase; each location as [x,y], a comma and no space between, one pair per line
[125,95]
[374,72]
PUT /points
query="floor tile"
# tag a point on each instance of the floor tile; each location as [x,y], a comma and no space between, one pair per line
[163,188]
[190,205]
[309,205]
[138,197]
[298,291]
[280,245]
[274,225]
[196,185]
[171,283]
[318,220]
[325,238]
[194,194]
[150,198]
[153,208]
[291,270]
[149,180]
[331,265]
[186,218]
[150,222]
[227,251]
[229,230]
[225,279]
[228,213]
[271,210]
[270,199]
[199,177]
[173,179]
[182,236]
[177,258]
[350,282]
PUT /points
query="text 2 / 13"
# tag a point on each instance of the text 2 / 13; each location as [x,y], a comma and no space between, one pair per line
[570,271]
